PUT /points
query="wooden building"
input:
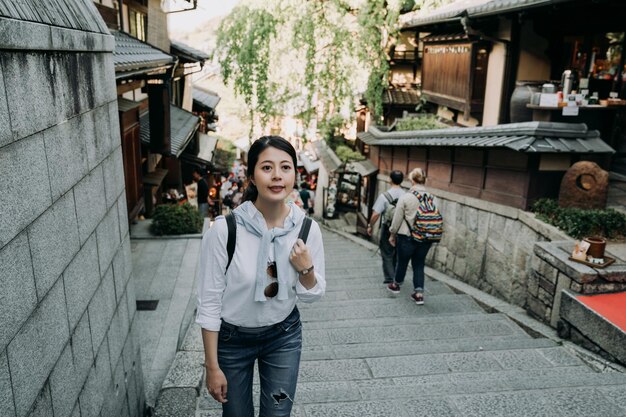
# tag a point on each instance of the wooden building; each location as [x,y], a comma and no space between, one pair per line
[490,45]
[512,164]
[142,75]
[471,56]
[159,137]
[402,95]
[454,72]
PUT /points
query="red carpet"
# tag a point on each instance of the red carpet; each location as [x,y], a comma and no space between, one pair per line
[610,306]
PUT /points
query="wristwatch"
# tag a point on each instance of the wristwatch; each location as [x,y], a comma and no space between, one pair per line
[306,270]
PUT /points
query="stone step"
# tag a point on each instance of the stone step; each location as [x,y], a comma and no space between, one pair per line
[373,288]
[362,369]
[390,307]
[399,333]
[416,347]
[557,402]
[574,382]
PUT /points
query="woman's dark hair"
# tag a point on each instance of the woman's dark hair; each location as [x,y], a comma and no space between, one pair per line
[259,145]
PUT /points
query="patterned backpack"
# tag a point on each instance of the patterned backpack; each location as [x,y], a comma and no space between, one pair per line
[428,223]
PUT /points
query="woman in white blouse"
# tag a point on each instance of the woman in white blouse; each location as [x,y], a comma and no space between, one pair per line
[248,311]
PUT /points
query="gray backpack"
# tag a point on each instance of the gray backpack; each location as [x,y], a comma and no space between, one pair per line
[387,215]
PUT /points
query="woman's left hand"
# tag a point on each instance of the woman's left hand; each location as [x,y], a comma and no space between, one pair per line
[300,257]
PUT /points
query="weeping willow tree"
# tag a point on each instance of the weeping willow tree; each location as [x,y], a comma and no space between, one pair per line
[244,42]
[311,59]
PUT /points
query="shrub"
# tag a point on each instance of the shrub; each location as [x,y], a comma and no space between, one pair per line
[171,219]
[426,122]
[579,223]
[348,155]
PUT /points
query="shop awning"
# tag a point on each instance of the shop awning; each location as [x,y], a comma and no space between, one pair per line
[187,53]
[154,178]
[329,159]
[133,57]
[207,146]
[364,168]
[309,162]
[530,137]
[398,97]
[183,125]
[205,99]
[125,105]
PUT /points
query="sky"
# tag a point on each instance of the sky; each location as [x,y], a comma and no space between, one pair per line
[207,9]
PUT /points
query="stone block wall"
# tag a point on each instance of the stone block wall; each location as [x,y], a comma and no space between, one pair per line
[68,338]
[487,245]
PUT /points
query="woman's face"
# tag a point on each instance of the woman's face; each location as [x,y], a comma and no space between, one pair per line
[274,175]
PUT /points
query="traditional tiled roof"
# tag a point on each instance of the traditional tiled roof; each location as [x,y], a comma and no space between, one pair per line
[445,37]
[471,8]
[364,168]
[205,98]
[183,125]
[531,137]
[400,97]
[309,162]
[131,54]
[329,159]
[72,14]
[187,52]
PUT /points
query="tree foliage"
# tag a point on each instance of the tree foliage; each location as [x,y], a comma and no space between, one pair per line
[305,58]
[243,44]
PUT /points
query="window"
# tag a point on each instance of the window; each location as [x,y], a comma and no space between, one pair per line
[135,14]
[137,23]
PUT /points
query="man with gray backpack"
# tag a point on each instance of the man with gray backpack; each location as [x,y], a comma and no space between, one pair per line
[384,209]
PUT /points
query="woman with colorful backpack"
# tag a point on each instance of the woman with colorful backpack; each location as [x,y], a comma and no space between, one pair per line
[416,225]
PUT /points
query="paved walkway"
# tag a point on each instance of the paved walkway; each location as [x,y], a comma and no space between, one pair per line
[164,271]
[369,354]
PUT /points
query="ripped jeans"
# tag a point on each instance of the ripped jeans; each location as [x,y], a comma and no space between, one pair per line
[277,349]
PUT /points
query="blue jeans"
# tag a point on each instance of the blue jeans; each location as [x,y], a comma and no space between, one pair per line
[277,349]
[410,249]
[388,253]
[203,208]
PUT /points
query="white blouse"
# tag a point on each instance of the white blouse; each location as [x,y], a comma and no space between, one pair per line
[231,296]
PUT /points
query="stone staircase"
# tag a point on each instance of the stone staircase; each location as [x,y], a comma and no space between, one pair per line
[367,353]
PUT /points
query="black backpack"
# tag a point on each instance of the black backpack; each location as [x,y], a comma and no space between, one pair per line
[231,223]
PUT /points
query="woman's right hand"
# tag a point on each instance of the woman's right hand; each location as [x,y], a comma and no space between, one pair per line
[216,384]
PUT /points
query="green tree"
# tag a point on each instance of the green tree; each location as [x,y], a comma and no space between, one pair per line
[305,58]
[243,46]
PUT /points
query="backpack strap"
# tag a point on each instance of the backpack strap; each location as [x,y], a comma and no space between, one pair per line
[231,222]
[388,197]
[304,229]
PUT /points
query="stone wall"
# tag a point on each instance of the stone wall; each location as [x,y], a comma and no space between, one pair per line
[487,245]
[68,340]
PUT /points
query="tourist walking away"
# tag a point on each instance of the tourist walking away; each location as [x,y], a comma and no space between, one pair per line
[383,209]
[255,263]
[306,197]
[416,224]
[202,192]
